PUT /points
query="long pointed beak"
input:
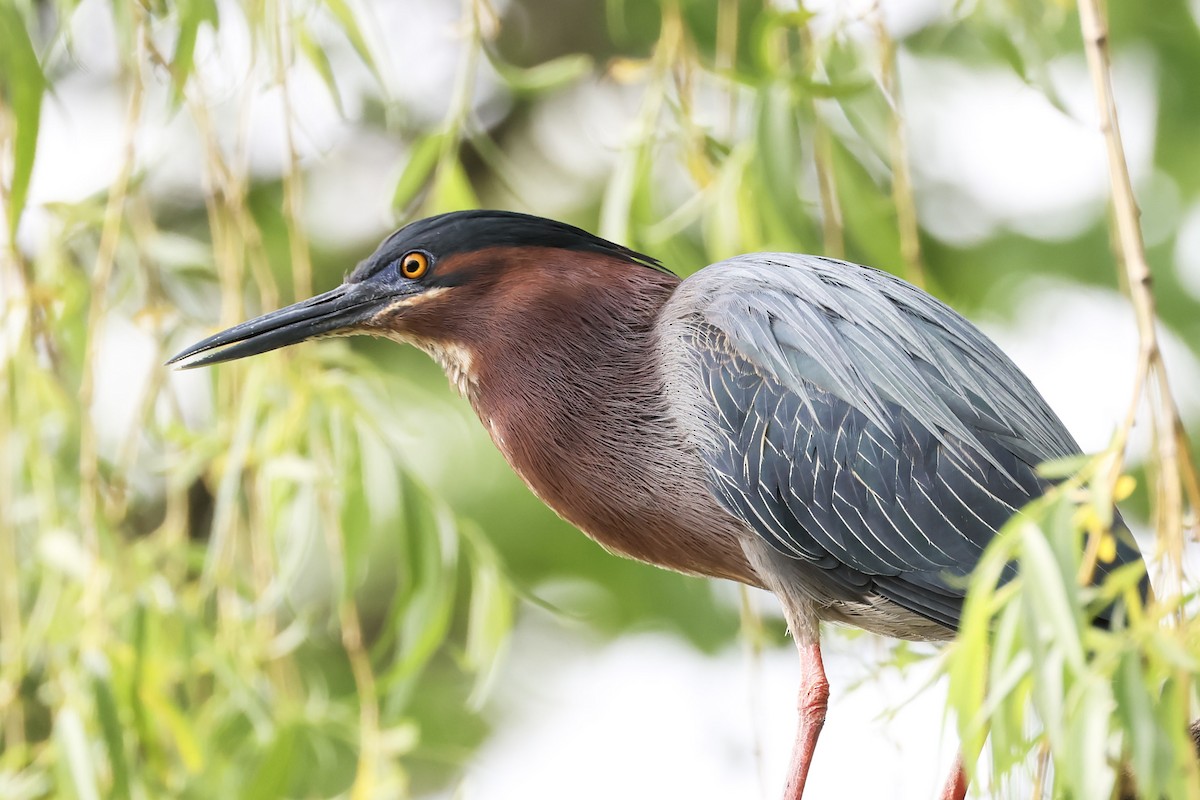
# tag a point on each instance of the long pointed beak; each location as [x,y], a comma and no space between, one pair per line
[336,311]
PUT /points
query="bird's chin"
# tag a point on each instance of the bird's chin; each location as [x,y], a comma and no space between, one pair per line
[456,360]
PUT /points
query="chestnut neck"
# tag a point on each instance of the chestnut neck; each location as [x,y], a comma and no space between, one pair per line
[564,375]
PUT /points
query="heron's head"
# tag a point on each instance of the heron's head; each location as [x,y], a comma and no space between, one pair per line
[453,281]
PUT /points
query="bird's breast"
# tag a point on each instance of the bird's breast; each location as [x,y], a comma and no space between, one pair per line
[563,373]
[650,505]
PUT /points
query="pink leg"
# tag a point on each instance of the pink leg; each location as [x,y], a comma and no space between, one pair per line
[814,700]
[956,785]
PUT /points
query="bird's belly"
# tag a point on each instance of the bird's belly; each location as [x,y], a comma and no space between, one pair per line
[808,594]
[883,617]
[648,506]
[693,550]
[668,532]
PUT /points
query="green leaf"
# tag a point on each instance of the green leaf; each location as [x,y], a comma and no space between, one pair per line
[422,159]
[543,77]
[830,90]
[23,84]
[1062,468]
[1134,705]
[489,618]
[452,190]
[1048,597]
[424,616]
[969,658]
[192,14]
[141,656]
[1087,766]
[319,59]
[1008,676]
[270,779]
[777,132]
[183,733]
[723,232]
[349,25]
[76,752]
[110,726]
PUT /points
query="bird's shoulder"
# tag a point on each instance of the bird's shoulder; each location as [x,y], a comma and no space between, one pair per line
[869,339]
[854,422]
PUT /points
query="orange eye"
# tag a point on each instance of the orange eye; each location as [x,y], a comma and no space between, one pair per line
[414,265]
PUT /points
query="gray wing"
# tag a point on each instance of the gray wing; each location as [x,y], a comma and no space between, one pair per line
[857,423]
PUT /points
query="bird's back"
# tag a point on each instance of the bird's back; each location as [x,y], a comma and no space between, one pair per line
[872,438]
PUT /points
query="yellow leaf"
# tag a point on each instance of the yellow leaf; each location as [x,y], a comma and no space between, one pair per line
[182,733]
[627,70]
[699,168]
[1087,519]
[1124,488]
[1107,551]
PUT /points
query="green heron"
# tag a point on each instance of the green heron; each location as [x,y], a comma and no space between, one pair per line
[813,427]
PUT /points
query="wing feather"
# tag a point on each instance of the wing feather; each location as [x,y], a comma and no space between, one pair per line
[856,423]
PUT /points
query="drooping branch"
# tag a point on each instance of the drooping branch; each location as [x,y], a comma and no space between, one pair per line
[902,188]
[833,231]
[1176,471]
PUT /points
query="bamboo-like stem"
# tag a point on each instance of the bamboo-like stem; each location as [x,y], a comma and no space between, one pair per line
[292,186]
[15,291]
[832,227]
[617,203]
[16,275]
[12,627]
[235,239]
[369,745]
[833,234]
[902,188]
[752,638]
[114,211]
[726,61]
[458,117]
[1176,471]
[142,229]
[1042,773]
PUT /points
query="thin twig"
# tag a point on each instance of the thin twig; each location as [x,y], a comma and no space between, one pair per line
[292,187]
[1174,458]
[12,626]
[106,255]
[617,203]
[752,639]
[832,228]
[902,188]
[458,122]
[17,280]
[369,746]
[1042,774]
[1175,470]
[141,230]
[726,61]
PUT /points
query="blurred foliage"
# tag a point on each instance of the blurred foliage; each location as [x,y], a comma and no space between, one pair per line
[257,581]
[1031,670]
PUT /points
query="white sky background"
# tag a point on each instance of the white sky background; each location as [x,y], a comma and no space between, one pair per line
[646,716]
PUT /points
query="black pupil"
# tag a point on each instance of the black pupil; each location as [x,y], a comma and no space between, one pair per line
[412,265]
